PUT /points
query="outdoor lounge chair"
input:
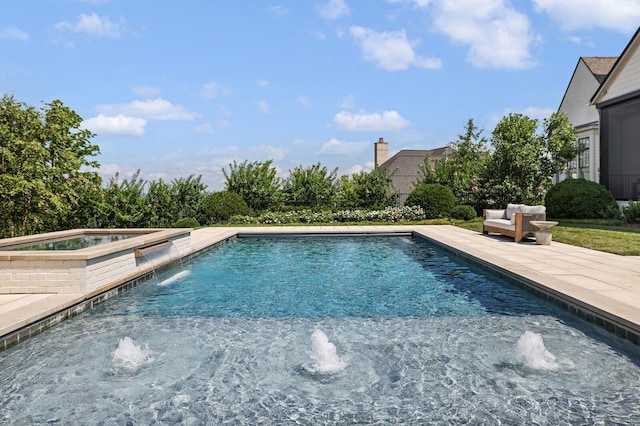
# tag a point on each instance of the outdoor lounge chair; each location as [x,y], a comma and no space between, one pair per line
[514,221]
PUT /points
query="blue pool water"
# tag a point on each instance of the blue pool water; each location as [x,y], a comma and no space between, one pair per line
[71,243]
[366,277]
[322,331]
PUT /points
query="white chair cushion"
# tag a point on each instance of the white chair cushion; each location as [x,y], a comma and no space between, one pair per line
[511,210]
[534,209]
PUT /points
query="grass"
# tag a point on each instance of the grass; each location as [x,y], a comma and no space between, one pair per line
[608,236]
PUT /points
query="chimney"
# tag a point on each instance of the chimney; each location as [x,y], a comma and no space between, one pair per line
[380,153]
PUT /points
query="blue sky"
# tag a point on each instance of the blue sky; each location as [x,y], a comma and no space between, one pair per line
[181,88]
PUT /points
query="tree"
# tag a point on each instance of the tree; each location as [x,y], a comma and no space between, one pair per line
[374,189]
[311,187]
[255,182]
[124,203]
[43,155]
[186,195]
[161,204]
[520,168]
[463,171]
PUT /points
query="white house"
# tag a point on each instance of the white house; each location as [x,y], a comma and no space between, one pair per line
[587,76]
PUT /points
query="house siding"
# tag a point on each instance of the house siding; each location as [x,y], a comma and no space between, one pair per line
[576,100]
[627,81]
[618,99]
[585,119]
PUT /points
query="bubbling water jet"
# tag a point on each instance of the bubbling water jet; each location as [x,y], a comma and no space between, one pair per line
[324,355]
[531,351]
[130,356]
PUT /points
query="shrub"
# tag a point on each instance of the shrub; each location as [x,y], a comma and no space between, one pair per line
[220,206]
[631,212]
[389,214]
[436,200]
[580,199]
[186,222]
[463,212]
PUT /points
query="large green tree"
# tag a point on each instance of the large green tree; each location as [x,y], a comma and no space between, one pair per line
[186,195]
[372,189]
[255,182]
[44,154]
[462,171]
[523,161]
[311,186]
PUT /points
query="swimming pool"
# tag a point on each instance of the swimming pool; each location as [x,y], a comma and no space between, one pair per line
[71,243]
[323,331]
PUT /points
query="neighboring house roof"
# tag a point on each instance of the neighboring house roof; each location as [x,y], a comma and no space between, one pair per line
[405,166]
[600,65]
[587,76]
[621,65]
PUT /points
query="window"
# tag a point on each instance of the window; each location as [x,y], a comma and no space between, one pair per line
[583,153]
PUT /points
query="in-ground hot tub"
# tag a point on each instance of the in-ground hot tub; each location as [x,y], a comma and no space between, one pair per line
[86,261]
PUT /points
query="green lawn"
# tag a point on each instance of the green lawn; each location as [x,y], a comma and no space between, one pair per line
[604,236]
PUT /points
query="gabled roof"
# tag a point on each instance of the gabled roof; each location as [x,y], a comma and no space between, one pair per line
[615,69]
[405,166]
[408,159]
[599,65]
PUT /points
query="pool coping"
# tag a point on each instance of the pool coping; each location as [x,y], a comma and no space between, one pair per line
[600,287]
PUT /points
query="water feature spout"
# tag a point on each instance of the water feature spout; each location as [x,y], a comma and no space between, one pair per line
[325,355]
[531,351]
[130,355]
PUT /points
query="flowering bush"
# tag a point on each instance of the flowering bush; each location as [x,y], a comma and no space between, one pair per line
[389,214]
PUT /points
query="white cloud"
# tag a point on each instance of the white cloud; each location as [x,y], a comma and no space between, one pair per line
[619,15]
[419,4]
[93,25]
[119,125]
[108,171]
[263,84]
[224,124]
[357,168]
[390,50]
[151,109]
[349,102]
[214,89]
[146,91]
[262,106]
[319,35]
[338,147]
[205,128]
[370,122]
[537,112]
[14,33]
[333,9]
[498,35]
[303,100]
[278,11]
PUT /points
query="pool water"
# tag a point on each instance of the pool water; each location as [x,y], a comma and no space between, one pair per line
[322,331]
[71,243]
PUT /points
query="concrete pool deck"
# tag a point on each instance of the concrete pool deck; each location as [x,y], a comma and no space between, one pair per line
[604,288]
